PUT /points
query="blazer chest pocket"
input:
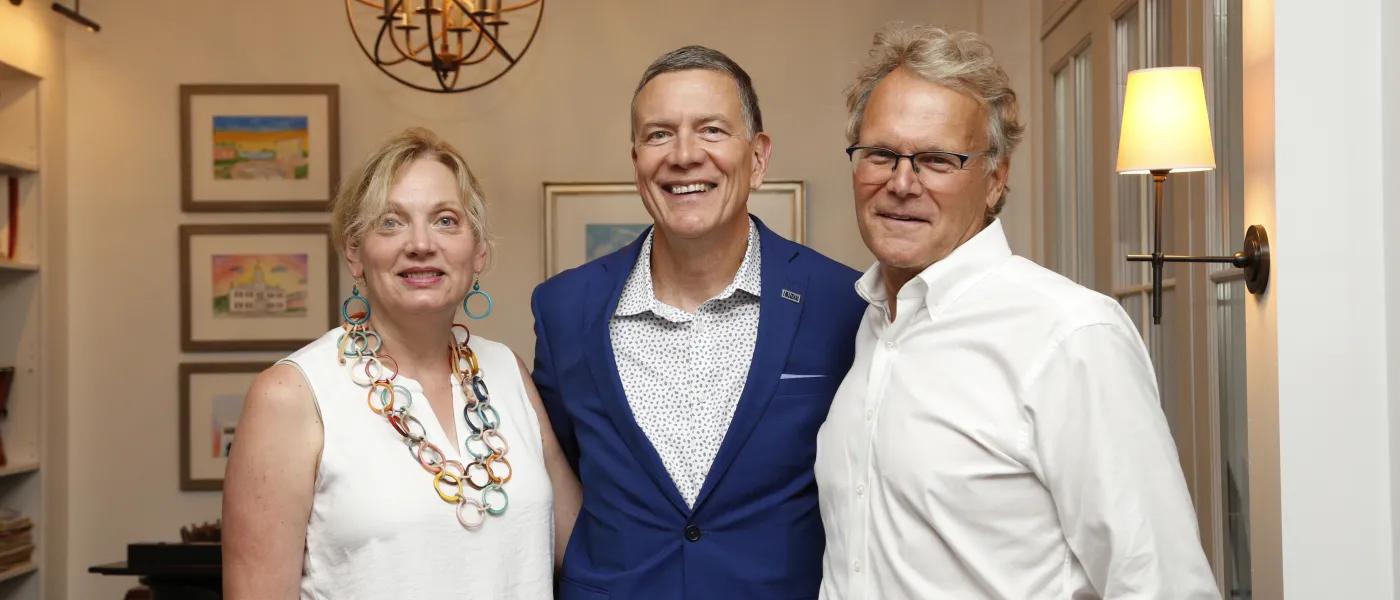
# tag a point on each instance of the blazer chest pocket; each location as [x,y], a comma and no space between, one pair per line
[801,385]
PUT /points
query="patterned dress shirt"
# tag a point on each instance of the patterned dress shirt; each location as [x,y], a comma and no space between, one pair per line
[683,373]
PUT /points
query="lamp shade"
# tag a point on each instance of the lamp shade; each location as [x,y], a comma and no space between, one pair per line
[1165,124]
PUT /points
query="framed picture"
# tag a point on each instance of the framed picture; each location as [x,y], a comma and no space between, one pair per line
[585,221]
[256,287]
[259,148]
[211,400]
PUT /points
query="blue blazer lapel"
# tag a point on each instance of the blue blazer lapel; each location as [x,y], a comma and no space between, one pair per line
[780,306]
[602,298]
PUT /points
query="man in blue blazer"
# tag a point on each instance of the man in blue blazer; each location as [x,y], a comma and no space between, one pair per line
[687,374]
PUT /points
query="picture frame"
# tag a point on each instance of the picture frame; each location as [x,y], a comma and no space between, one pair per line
[259,147]
[584,221]
[211,401]
[252,287]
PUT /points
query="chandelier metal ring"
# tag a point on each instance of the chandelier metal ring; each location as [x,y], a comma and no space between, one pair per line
[457,35]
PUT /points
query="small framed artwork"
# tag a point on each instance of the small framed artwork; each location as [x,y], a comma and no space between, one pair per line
[256,287]
[211,401]
[259,148]
[585,221]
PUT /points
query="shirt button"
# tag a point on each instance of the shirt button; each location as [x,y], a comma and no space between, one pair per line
[692,533]
[860,490]
[857,566]
[889,345]
[869,414]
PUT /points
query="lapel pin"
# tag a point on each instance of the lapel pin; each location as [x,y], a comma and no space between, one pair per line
[792,296]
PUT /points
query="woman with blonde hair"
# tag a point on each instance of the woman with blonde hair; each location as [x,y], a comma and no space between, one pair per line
[399,455]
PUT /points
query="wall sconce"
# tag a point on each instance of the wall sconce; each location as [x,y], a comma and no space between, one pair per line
[1166,130]
[77,16]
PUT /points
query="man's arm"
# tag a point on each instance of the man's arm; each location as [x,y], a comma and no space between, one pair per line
[547,383]
[1108,458]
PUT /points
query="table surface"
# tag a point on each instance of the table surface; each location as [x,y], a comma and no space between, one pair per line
[121,568]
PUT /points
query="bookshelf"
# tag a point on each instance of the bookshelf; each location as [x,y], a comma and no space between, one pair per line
[22,420]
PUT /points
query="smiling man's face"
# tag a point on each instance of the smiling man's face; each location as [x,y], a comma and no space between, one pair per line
[695,163]
[914,220]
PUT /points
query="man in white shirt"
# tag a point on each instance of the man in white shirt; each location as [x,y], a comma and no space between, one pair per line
[1000,434]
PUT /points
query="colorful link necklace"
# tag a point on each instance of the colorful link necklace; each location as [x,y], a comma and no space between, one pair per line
[392,401]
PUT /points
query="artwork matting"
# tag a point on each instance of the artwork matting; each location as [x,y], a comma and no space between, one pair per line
[254,287]
[259,147]
[211,401]
[584,221]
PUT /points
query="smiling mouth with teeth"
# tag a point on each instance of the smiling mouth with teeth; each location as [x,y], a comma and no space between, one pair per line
[690,189]
[421,274]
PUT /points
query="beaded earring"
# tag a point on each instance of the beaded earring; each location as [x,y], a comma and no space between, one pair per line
[345,307]
[476,291]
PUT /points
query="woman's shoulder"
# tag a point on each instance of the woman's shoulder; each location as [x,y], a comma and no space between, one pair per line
[486,346]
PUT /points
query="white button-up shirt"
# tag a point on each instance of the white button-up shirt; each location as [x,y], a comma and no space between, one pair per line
[683,373]
[1002,439]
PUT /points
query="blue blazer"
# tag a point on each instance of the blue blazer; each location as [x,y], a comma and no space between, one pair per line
[755,531]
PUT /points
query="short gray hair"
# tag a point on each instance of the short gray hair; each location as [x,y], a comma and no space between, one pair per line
[959,60]
[700,57]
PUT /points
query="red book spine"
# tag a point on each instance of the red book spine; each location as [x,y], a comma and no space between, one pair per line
[14,216]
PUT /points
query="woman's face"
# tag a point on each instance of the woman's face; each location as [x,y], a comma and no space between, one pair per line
[420,257]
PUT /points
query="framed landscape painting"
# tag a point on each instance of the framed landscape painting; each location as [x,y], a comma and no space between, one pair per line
[585,221]
[256,287]
[258,148]
[211,401]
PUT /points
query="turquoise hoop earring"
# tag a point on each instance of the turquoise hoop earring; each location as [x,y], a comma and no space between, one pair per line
[345,307]
[476,291]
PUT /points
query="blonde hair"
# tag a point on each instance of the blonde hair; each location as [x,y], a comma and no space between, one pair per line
[958,60]
[364,197]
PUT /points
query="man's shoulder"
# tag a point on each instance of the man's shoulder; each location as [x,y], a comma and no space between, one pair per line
[566,286]
[1050,297]
[815,263]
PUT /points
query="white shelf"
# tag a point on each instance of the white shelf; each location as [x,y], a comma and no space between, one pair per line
[14,265]
[18,571]
[28,466]
[9,166]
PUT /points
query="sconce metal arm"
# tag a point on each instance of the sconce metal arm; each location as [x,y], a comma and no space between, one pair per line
[1253,257]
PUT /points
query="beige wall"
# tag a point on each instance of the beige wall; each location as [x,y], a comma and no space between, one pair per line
[561,116]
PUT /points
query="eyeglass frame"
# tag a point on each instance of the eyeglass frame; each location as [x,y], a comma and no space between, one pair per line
[962,158]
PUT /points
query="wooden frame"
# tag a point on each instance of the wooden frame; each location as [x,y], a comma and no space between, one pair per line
[262,323]
[298,170]
[616,206]
[224,387]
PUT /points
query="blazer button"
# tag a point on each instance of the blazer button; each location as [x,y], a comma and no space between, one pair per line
[692,533]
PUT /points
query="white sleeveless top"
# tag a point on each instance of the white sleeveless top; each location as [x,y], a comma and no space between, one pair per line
[377,528]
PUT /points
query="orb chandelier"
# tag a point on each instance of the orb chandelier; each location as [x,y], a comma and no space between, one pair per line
[444,46]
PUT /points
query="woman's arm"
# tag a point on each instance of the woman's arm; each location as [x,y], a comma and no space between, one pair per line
[268,487]
[568,495]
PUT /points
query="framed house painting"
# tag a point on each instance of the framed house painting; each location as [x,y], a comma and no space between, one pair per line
[258,148]
[256,287]
[585,221]
[211,401]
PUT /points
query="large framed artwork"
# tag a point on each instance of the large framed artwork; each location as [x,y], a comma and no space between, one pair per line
[584,221]
[259,148]
[256,287]
[211,400]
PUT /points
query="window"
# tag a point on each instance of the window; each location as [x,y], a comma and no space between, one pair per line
[1223,225]
[1073,155]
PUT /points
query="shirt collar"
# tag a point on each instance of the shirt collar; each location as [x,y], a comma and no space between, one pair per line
[639,294]
[942,282]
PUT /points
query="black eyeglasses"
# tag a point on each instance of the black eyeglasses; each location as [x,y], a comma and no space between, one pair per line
[874,164]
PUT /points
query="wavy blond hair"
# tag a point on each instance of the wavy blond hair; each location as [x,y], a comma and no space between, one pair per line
[959,60]
[364,198]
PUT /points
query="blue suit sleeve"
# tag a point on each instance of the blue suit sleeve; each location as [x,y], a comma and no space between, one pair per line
[547,383]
